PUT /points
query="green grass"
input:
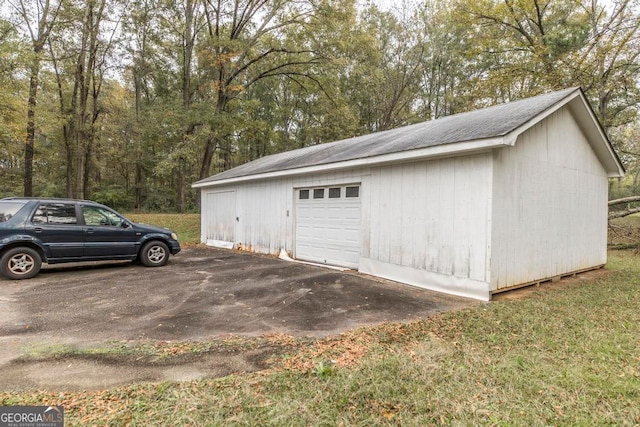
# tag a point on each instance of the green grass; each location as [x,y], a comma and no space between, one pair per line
[567,355]
[186,226]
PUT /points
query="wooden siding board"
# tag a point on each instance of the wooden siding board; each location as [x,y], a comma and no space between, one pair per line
[365,206]
[396,215]
[460,224]
[422,219]
[446,215]
[548,192]
[385,216]
[408,219]
[432,219]
[374,208]
[478,222]
[433,215]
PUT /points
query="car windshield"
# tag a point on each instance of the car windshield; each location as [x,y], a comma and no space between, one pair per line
[9,209]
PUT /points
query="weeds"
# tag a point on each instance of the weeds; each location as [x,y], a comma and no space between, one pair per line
[321,370]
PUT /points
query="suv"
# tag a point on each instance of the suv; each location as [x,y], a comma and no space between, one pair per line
[33,231]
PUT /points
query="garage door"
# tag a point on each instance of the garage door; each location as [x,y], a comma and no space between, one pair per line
[219,214]
[328,225]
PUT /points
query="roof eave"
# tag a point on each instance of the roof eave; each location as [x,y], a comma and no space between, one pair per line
[446,150]
[597,137]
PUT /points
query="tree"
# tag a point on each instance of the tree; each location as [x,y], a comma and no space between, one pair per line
[392,73]
[138,25]
[244,45]
[185,21]
[13,62]
[536,45]
[451,70]
[80,53]
[184,88]
[608,65]
[38,17]
[524,42]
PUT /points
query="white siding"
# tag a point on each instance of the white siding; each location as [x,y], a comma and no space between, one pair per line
[433,215]
[549,203]
[265,210]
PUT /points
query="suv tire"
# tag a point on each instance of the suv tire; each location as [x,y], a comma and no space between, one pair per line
[20,263]
[154,254]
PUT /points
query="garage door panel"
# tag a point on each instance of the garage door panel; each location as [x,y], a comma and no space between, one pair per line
[351,236]
[328,229]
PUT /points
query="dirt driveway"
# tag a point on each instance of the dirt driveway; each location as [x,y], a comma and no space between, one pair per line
[202,294]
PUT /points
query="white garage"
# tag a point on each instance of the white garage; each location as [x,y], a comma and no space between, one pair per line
[471,204]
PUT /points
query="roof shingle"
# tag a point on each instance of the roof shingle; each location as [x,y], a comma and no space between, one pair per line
[491,122]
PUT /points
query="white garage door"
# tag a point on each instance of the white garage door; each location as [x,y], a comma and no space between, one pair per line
[328,225]
[219,214]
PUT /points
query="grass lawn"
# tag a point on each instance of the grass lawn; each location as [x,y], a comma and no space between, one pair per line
[567,354]
[186,226]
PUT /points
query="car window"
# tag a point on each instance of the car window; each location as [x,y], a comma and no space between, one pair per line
[97,216]
[55,213]
[9,209]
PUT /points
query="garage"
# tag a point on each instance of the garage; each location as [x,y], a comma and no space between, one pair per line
[328,225]
[471,204]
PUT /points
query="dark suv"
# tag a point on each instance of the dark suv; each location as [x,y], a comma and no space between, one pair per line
[33,231]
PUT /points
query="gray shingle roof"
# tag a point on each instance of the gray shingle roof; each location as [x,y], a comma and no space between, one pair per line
[491,122]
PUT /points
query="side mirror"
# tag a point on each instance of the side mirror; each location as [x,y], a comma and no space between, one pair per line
[125,224]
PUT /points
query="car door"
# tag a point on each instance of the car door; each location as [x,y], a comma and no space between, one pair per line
[56,226]
[106,234]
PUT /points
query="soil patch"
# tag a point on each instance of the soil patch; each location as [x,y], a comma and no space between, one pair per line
[98,372]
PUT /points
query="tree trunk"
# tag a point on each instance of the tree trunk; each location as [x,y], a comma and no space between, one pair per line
[624,200]
[626,212]
[47,16]
[620,214]
[207,159]
[180,185]
[138,184]
[31,125]
[88,91]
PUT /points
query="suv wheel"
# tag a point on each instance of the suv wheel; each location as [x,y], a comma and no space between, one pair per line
[154,254]
[20,263]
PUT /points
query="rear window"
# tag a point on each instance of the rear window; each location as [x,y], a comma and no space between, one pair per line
[9,209]
[55,213]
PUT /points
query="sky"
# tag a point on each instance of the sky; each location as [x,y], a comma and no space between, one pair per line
[382,4]
[388,5]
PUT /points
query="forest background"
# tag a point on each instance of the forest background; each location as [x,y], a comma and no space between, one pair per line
[128,102]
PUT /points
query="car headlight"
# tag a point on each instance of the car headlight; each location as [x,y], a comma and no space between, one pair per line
[174,236]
